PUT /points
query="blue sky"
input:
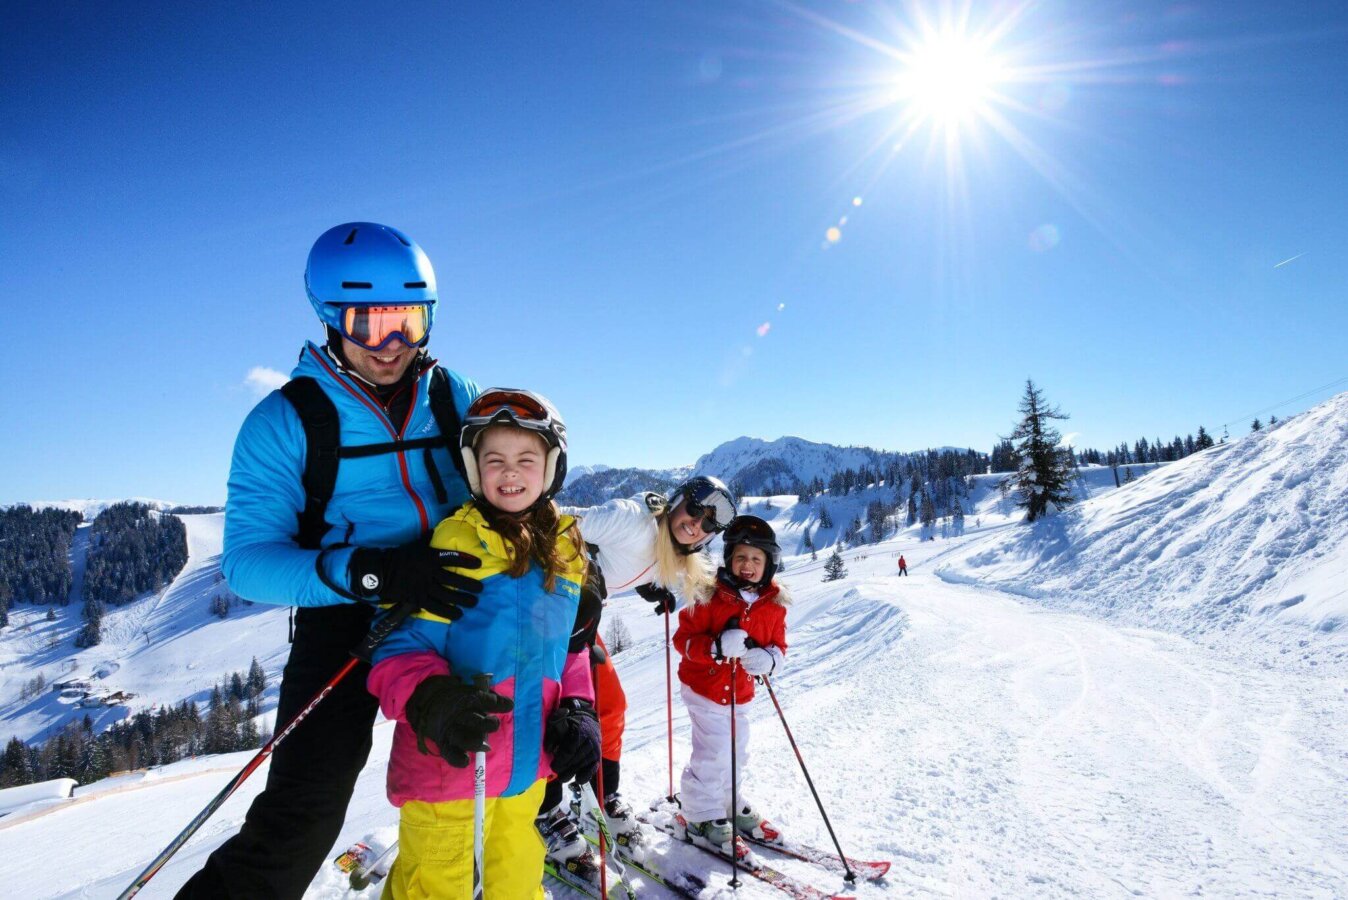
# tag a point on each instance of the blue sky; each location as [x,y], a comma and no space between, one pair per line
[618,198]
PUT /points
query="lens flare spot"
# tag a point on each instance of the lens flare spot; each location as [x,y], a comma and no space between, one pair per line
[842,221]
[1044,238]
[764,329]
[856,201]
[833,235]
[781,306]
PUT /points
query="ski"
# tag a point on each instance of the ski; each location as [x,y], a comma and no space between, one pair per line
[576,883]
[792,887]
[364,865]
[684,884]
[870,870]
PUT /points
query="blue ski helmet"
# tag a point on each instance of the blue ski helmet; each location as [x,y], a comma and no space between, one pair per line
[366,264]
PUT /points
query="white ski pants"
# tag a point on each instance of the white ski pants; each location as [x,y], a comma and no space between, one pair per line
[704,791]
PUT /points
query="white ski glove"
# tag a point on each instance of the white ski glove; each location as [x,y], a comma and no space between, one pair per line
[730,644]
[757,661]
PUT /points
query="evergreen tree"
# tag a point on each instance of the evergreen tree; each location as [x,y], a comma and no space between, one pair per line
[618,638]
[1256,425]
[1043,474]
[807,543]
[928,516]
[1272,420]
[825,520]
[1204,440]
[912,509]
[257,679]
[834,567]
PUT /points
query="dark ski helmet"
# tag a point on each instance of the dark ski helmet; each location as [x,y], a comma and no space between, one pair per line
[755,532]
[522,409]
[708,499]
[367,264]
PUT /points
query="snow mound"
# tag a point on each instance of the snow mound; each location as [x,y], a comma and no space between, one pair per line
[1253,533]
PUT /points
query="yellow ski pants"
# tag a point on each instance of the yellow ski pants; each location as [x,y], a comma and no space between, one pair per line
[435,850]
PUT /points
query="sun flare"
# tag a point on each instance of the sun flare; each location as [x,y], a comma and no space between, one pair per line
[949,78]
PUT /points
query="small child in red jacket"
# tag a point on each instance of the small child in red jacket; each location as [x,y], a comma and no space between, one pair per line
[743,620]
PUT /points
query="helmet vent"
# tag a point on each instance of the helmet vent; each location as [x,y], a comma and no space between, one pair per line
[414,284]
[350,238]
[357,284]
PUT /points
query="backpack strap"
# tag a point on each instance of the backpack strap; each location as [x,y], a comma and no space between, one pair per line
[322,434]
[441,395]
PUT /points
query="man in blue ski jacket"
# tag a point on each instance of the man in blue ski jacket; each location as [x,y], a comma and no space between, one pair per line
[336,482]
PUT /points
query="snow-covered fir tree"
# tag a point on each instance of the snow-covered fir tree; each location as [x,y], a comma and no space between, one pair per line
[834,568]
[1044,470]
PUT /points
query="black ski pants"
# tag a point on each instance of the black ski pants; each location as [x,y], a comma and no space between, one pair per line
[291,827]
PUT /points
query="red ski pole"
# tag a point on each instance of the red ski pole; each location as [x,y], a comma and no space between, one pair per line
[850,877]
[669,709]
[381,630]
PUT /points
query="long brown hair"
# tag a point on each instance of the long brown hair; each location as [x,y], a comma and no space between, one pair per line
[531,536]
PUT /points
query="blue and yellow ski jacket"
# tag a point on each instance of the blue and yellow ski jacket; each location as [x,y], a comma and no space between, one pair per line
[518,632]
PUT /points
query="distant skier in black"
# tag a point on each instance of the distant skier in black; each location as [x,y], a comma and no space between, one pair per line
[903,565]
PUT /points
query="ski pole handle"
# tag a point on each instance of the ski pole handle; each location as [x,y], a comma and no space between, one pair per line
[483,683]
[381,629]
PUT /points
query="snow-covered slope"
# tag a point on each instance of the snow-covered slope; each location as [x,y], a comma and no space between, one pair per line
[1253,533]
[164,648]
[987,746]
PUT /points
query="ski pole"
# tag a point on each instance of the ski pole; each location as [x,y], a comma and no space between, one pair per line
[850,877]
[734,777]
[606,838]
[669,709]
[382,628]
[483,683]
[596,650]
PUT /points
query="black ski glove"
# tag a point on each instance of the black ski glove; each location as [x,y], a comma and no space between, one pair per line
[664,601]
[415,573]
[572,737]
[455,715]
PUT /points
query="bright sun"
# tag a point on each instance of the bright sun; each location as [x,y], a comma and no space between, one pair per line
[949,78]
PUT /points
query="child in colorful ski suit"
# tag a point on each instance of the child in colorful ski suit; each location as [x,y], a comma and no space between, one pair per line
[538,711]
[741,629]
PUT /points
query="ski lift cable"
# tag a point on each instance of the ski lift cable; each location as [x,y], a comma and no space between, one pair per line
[1239,419]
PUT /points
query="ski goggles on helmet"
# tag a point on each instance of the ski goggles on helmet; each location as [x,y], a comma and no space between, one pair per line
[373,327]
[519,405]
[709,504]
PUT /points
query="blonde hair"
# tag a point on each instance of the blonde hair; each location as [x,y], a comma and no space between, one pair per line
[691,574]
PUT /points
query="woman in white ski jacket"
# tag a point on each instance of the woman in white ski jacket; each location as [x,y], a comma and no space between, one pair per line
[651,544]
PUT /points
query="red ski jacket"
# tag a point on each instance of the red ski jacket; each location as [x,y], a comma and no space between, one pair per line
[701,623]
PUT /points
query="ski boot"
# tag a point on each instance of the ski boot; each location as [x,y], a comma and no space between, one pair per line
[714,834]
[566,848]
[750,824]
[626,830]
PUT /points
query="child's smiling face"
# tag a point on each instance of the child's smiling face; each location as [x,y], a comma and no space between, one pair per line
[747,563]
[510,462]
